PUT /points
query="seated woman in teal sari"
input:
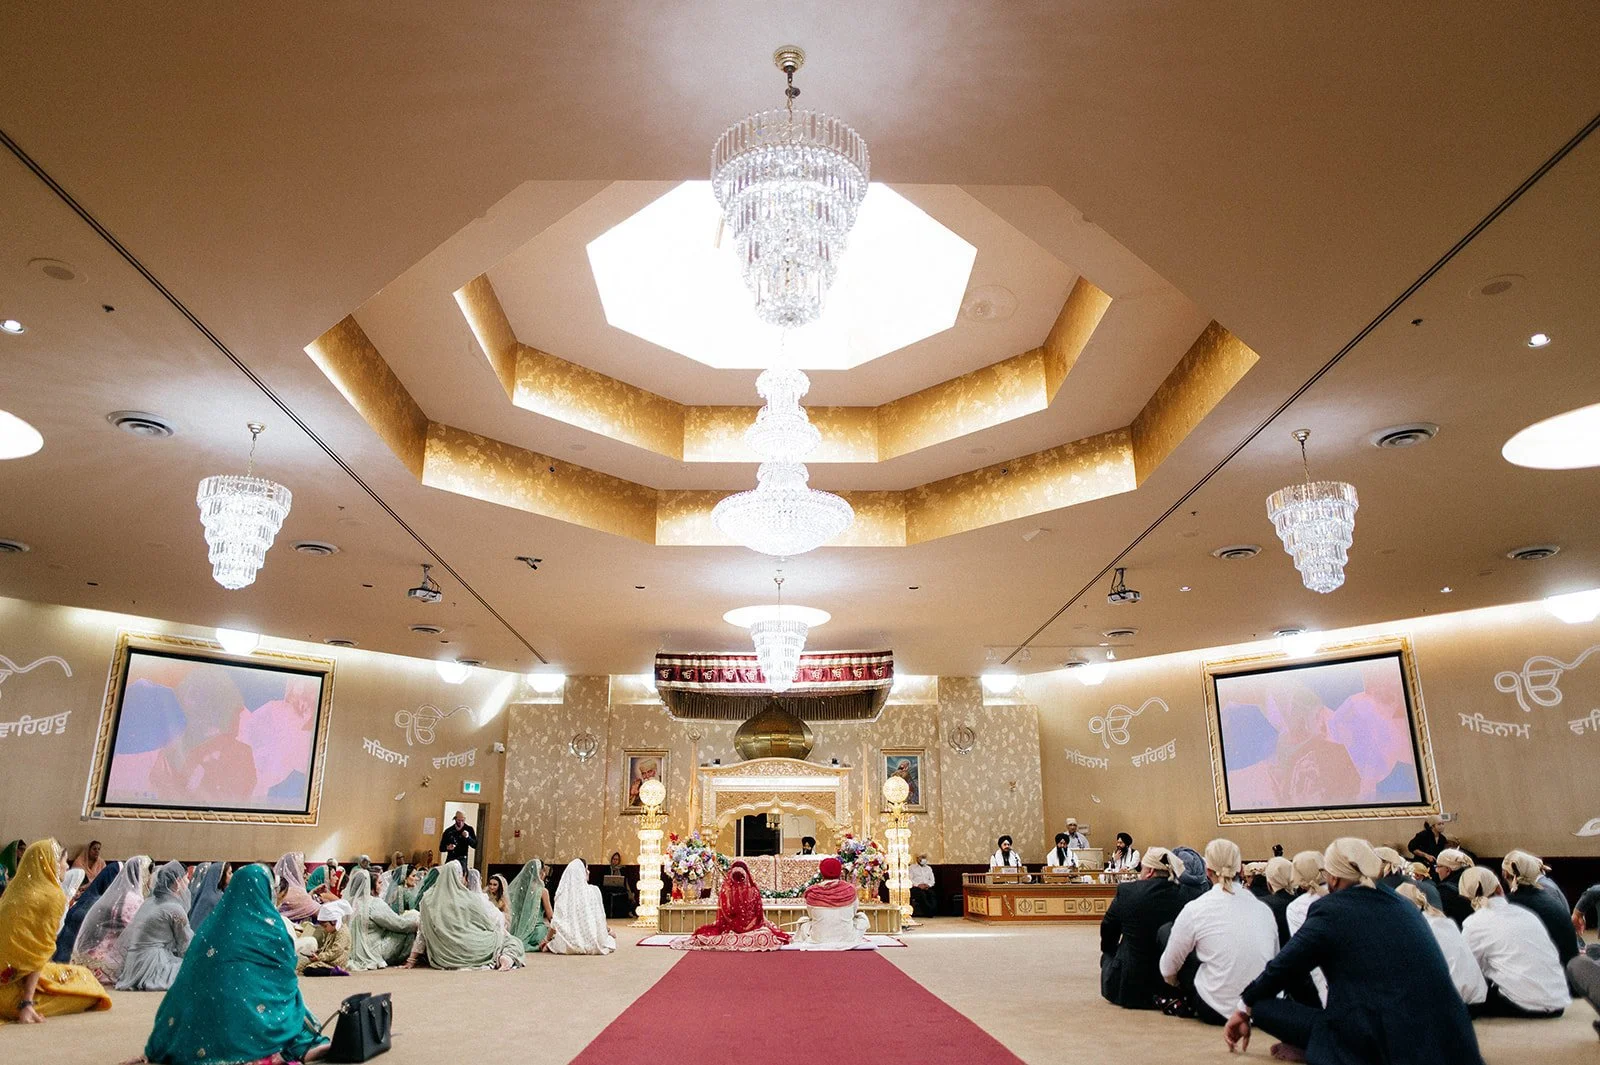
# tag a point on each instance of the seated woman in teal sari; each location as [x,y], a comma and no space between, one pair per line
[379,937]
[461,929]
[529,903]
[236,998]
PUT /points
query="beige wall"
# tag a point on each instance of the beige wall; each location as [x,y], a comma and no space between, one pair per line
[1533,792]
[566,807]
[42,778]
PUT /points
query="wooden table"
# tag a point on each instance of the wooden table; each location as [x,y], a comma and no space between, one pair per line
[682,918]
[1003,899]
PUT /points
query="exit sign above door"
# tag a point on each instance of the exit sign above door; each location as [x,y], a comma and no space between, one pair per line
[471,787]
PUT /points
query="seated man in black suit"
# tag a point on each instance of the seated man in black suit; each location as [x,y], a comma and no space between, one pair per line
[1130,950]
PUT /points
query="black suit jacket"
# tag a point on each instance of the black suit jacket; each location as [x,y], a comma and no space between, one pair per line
[1390,996]
[1130,954]
[455,841]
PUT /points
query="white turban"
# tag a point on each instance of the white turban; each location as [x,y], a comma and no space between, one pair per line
[1308,871]
[1452,858]
[1280,873]
[1161,860]
[1222,858]
[1522,869]
[1479,885]
[1350,858]
[333,913]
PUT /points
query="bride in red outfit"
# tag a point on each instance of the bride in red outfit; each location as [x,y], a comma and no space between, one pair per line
[741,922]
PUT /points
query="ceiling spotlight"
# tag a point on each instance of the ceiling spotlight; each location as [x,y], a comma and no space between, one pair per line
[1000,683]
[12,326]
[18,439]
[453,672]
[1538,340]
[1298,643]
[1092,673]
[1575,608]
[238,641]
[550,683]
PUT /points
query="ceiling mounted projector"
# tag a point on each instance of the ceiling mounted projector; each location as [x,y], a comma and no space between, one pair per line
[1120,592]
[428,591]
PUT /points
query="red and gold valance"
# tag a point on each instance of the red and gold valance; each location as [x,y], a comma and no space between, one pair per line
[729,686]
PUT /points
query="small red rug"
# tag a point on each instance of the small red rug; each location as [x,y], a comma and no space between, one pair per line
[791,1008]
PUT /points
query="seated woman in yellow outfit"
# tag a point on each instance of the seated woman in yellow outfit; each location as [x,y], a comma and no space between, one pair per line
[32,987]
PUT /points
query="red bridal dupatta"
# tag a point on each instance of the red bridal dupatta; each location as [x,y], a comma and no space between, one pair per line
[741,922]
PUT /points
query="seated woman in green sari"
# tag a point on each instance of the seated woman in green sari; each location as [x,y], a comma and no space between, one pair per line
[529,903]
[236,999]
[379,937]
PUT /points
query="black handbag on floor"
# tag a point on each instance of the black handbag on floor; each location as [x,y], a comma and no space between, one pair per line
[363,1029]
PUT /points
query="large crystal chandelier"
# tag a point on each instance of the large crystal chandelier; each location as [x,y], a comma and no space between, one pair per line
[1316,521]
[242,515]
[783,515]
[789,183]
[779,634]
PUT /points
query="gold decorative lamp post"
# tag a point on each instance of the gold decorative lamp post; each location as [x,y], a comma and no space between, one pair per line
[652,793]
[897,836]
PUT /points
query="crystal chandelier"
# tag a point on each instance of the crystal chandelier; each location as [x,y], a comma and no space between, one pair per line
[789,183]
[1316,521]
[783,515]
[241,514]
[779,633]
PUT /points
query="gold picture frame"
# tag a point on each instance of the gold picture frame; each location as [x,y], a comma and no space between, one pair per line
[635,762]
[1373,648]
[916,776]
[190,649]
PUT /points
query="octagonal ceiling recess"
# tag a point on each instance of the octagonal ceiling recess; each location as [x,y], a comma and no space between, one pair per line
[669,275]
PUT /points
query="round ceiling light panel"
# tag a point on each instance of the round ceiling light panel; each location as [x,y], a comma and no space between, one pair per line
[1569,441]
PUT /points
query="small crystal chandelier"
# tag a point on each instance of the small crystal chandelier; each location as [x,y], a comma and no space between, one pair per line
[1316,521]
[790,183]
[241,514]
[779,633]
[783,515]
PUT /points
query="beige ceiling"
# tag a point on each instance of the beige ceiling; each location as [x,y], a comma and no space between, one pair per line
[1290,176]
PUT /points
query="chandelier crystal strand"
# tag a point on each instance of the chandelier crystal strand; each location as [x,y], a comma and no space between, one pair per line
[1316,521]
[779,642]
[782,515]
[789,183]
[241,515]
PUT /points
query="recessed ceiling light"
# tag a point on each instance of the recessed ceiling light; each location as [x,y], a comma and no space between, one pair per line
[18,439]
[1538,340]
[745,616]
[1446,589]
[1092,673]
[1533,552]
[1185,588]
[999,683]
[453,672]
[1298,643]
[238,641]
[141,423]
[1575,608]
[546,683]
[1569,441]
[12,326]
[316,547]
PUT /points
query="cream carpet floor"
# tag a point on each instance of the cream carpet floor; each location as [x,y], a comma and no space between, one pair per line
[1036,989]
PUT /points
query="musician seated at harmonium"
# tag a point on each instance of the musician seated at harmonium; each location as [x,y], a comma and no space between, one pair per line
[1005,857]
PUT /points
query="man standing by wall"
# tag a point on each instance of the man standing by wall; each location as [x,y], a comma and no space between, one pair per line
[457,841]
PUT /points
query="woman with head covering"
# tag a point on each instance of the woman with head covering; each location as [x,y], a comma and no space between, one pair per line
[154,944]
[1130,945]
[578,920]
[1447,870]
[1522,872]
[387,882]
[236,998]
[98,946]
[499,892]
[529,906]
[328,875]
[460,929]
[741,922]
[289,877]
[379,937]
[79,909]
[1518,960]
[32,987]
[205,895]
[1220,942]
[1390,995]
[1464,971]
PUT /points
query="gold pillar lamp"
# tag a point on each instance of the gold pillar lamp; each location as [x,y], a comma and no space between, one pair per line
[652,793]
[897,837]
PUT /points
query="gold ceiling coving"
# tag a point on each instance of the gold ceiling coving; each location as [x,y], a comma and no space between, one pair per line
[467,463]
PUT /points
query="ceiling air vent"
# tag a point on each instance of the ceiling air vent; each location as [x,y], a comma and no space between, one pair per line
[316,547]
[1397,436]
[339,641]
[1533,552]
[141,423]
[426,630]
[13,547]
[1119,634]
[1234,552]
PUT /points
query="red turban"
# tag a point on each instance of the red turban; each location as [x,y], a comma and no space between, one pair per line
[831,869]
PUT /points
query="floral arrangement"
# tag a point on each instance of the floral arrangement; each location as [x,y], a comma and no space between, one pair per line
[690,859]
[863,860]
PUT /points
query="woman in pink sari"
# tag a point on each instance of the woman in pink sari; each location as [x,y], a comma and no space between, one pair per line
[741,922]
[294,902]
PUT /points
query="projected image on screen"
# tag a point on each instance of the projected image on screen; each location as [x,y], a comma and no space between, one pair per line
[191,732]
[1318,736]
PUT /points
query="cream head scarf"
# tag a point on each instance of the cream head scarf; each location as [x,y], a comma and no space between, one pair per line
[1451,859]
[1413,894]
[1350,858]
[1222,858]
[1308,873]
[1161,860]
[1392,862]
[1280,874]
[1479,885]
[1521,869]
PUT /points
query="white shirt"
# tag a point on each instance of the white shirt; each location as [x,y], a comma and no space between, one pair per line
[1126,862]
[1077,841]
[1516,957]
[921,875]
[1295,916]
[1464,971]
[1003,858]
[1058,857]
[1234,935]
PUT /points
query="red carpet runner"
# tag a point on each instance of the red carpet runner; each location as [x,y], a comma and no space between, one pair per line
[791,1008]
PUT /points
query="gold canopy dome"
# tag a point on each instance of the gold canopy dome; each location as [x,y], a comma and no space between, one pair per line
[773,733]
